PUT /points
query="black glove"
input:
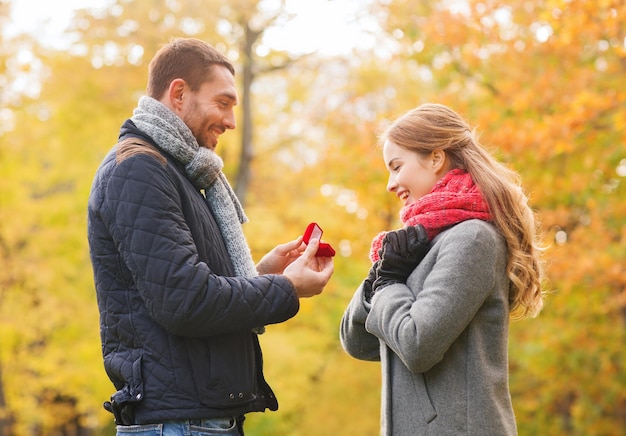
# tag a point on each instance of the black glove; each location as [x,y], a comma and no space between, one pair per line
[369,281]
[402,250]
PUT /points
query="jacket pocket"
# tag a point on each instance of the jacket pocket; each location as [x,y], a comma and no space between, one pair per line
[233,370]
[423,400]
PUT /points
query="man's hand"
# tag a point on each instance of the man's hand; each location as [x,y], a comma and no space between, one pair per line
[401,252]
[280,257]
[309,274]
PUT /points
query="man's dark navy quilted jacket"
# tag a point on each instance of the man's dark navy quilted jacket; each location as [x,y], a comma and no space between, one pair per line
[175,324]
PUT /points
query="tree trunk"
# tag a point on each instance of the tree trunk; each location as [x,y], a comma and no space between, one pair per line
[242,180]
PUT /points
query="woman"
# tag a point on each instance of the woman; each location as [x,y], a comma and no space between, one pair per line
[435,307]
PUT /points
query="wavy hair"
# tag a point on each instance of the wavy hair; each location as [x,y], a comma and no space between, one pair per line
[432,127]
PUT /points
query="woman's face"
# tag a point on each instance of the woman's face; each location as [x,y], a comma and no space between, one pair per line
[411,175]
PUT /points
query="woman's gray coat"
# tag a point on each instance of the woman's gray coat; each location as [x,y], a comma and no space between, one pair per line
[442,339]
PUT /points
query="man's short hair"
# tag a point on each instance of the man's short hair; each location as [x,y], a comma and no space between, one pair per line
[189,59]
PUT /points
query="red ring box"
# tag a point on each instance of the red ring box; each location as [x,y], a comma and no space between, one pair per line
[313,230]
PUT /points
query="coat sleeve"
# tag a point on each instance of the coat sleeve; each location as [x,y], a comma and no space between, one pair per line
[355,340]
[142,210]
[421,324]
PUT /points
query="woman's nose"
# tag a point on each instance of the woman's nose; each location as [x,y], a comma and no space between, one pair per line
[391,184]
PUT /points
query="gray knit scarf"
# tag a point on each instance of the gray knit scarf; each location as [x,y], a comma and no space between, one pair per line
[204,170]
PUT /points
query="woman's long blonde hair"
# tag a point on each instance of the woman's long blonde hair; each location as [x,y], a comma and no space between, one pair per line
[432,127]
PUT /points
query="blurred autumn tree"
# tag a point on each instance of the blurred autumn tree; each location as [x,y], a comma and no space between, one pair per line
[541,79]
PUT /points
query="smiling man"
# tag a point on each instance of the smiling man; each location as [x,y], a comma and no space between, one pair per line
[181,301]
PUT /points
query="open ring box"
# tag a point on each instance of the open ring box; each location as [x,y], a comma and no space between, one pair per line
[313,230]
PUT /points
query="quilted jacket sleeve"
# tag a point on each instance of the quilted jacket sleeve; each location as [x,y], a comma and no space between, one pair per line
[141,208]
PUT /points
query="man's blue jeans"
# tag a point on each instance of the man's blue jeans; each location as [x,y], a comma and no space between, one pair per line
[200,427]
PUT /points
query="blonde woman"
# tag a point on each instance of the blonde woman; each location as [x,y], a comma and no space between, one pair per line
[435,308]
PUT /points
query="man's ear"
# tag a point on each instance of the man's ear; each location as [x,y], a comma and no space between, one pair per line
[175,95]
[440,161]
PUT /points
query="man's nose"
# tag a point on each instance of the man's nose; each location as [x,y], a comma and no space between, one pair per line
[229,120]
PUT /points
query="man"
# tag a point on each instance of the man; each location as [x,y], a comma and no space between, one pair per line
[180,299]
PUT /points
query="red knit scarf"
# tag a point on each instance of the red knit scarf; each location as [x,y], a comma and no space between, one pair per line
[453,199]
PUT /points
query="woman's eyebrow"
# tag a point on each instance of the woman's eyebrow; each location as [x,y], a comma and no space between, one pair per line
[391,161]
